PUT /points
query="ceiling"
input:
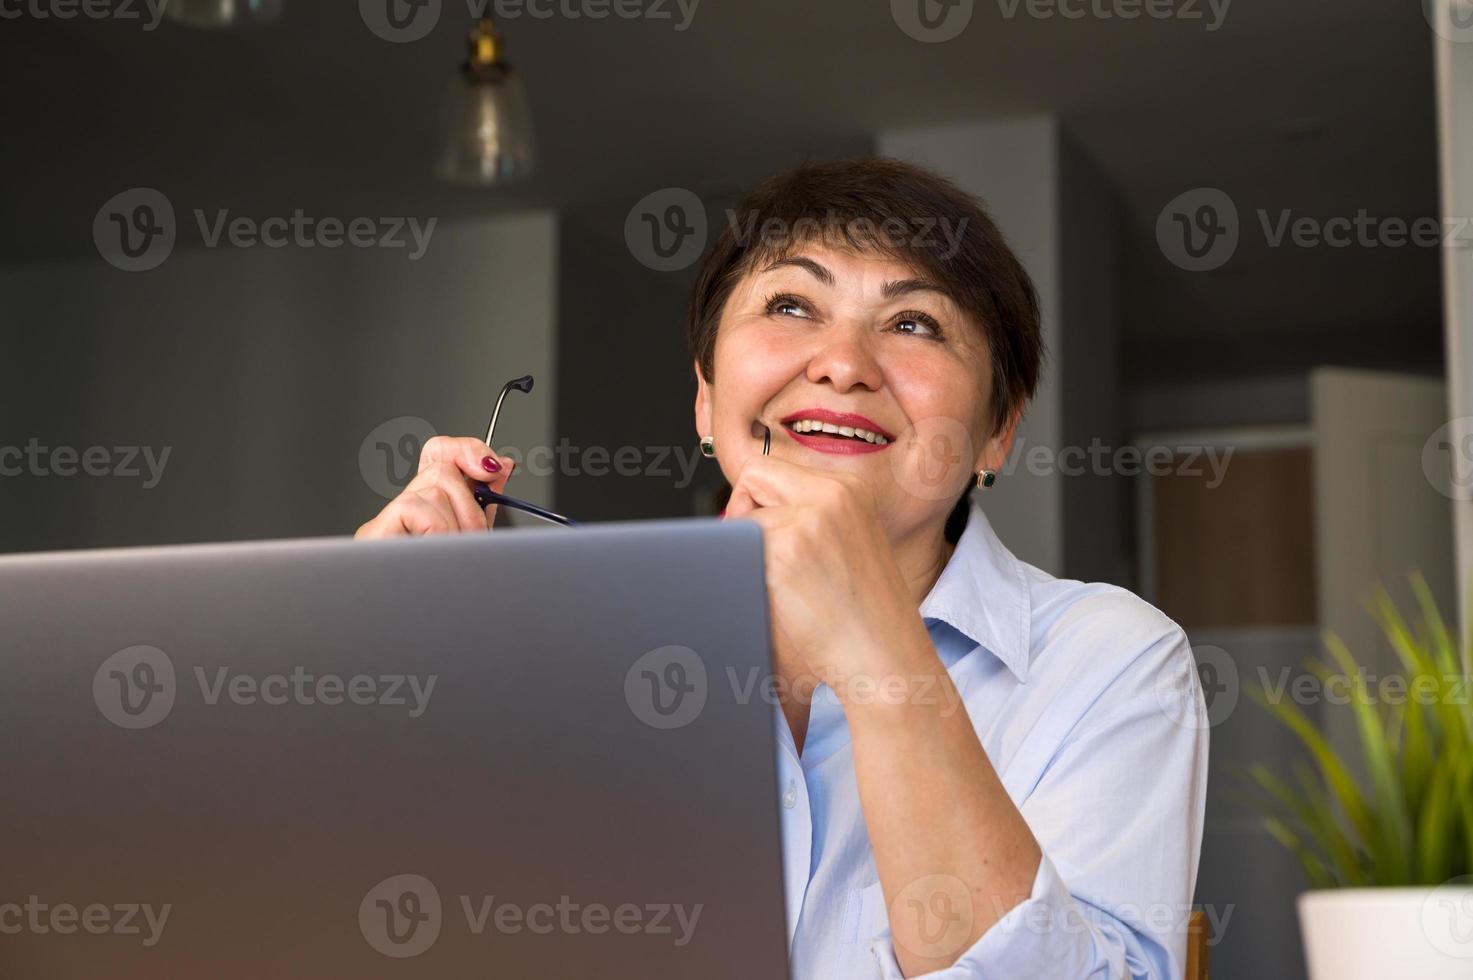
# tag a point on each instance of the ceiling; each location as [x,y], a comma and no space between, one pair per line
[1323,107]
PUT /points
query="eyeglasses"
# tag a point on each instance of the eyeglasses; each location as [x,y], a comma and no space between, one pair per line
[485,496]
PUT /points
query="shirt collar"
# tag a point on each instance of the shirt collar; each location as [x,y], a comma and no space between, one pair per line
[983,594]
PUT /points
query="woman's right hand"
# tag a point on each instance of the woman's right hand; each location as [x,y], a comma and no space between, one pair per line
[438,500]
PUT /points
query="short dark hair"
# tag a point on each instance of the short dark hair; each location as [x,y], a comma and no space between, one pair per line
[900,210]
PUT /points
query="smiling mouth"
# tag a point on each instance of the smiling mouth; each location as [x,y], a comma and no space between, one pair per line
[815,429]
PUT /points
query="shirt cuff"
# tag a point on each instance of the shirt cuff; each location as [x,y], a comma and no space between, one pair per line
[1043,936]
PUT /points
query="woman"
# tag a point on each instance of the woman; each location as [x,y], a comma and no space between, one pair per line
[983,769]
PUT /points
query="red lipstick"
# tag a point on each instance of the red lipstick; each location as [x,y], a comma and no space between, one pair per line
[842,446]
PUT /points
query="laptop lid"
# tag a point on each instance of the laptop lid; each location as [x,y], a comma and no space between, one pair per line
[528,753]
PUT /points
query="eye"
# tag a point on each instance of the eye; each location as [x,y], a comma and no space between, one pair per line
[919,324]
[786,304]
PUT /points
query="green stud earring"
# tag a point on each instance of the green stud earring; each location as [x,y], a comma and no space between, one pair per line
[986,479]
[708,447]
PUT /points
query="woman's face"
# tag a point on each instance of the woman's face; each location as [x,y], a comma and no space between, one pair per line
[855,340]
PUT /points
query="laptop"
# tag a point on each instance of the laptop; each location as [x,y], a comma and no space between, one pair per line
[527,753]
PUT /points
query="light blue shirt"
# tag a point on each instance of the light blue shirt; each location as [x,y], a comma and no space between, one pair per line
[1087,701]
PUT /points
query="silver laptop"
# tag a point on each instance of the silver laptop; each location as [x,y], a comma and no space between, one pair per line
[523,754]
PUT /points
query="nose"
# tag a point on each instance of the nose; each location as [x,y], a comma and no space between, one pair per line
[845,360]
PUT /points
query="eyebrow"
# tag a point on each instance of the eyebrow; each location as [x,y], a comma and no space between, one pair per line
[899,287]
[817,271]
[902,287]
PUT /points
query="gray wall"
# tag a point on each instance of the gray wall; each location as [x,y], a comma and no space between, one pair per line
[626,380]
[1097,506]
[263,372]
[1455,109]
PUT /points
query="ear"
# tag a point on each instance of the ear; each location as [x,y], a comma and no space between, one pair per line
[703,403]
[995,451]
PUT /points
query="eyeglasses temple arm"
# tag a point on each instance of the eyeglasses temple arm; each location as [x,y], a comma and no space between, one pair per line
[485,496]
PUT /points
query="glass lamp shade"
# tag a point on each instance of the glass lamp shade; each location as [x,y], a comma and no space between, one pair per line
[223,14]
[485,127]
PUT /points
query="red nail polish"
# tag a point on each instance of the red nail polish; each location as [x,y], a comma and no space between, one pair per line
[490,465]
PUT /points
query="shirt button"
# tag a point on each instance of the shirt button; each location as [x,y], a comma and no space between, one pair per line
[790,798]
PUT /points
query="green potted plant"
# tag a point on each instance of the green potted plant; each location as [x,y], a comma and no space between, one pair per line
[1389,860]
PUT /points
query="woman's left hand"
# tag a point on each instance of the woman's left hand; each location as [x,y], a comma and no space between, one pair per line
[835,589]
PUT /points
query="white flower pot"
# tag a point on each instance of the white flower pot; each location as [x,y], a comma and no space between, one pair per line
[1382,933]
